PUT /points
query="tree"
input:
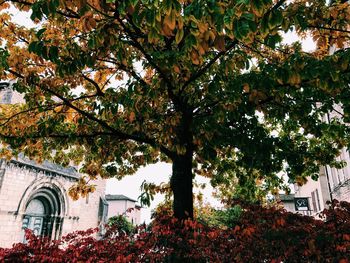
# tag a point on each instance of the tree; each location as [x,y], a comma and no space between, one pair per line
[121,224]
[206,85]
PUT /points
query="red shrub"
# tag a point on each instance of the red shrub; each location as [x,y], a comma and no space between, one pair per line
[261,235]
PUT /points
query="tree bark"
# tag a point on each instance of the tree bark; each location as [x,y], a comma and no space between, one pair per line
[181,185]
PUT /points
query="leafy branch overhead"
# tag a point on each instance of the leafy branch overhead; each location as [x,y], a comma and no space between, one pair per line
[206,85]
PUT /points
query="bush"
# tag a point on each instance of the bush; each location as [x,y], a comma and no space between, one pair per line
[120,224]
[260,235]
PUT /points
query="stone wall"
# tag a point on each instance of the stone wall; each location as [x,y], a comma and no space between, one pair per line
[18,182]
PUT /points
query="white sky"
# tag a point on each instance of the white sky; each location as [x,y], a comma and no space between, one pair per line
[157,173]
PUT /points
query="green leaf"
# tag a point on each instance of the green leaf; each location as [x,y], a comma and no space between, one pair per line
[45,8]
[241,28]
[32,46]
[40,32]
[273,40]
[275,19]
[53,5]
[244,2]
[53,53]
[3,58]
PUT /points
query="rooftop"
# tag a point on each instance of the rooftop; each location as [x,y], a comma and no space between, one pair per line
[119,197]
[47,166]
[284,197]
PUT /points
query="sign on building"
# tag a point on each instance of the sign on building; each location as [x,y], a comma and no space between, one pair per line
[301,204]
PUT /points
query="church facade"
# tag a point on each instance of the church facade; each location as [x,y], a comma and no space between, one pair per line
[35,196]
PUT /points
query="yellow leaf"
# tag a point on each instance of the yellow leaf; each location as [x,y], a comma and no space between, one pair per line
[92,22]
[158,16]
[166,30]
[203,27]
[130,9]
[211,35]
[180,23]
[201,49]
[294,78]
[179,36]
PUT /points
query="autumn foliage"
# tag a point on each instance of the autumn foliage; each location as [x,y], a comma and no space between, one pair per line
[208,86]
[259,235]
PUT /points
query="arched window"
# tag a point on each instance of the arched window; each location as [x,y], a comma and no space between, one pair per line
[35,207]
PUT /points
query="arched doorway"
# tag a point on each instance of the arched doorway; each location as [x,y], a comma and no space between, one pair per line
[43,213]
[35,215]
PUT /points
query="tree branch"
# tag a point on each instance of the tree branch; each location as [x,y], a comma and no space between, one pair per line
[72,14]
[60,136]
[120,135]
[126,69]
[202,70]
[138,46]
[329,28]
[98,89]
[48,107]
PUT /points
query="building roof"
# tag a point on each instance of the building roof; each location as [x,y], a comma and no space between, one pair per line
[286,198]
[47,166]
[4,84]
[119,197]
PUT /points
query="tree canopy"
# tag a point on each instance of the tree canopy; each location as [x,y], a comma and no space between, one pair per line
[206,85]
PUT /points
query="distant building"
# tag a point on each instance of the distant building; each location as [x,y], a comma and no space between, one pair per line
[287,201]
[123,205]
[35,196]
[332,183]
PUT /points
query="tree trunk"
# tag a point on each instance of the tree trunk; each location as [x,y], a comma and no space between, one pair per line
[181,185]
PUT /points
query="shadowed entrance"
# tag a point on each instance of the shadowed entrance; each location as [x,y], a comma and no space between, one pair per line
[43,213]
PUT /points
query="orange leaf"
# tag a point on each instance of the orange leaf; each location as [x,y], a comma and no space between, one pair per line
[132,116]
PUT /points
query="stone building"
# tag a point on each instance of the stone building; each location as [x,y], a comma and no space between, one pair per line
[123,205]
[35,196]
[332,183]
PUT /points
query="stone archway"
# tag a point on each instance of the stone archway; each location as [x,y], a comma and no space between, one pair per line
[44,210]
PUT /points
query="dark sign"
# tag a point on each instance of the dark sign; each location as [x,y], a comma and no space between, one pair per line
[301,203]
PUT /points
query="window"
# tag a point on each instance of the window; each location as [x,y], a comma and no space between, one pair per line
[103,210]
[315,198]
[7,96]
[102,215]
[34,217]
[335,177]
[318,199]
